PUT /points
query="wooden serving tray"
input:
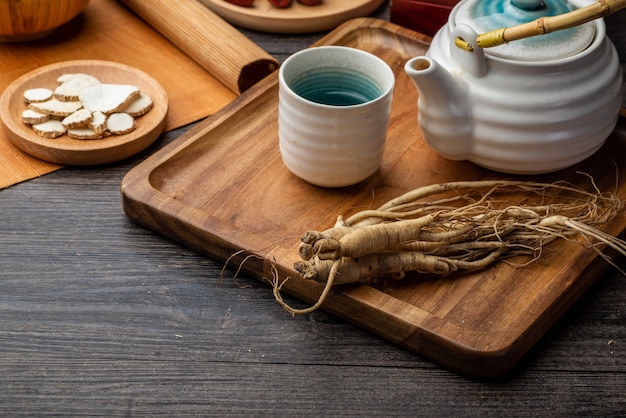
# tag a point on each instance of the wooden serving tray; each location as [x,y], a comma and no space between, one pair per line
[222,187]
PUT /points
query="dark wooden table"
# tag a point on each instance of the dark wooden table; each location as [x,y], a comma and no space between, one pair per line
[100,316]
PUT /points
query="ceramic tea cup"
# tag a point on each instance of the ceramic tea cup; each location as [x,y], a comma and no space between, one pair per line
[333,113]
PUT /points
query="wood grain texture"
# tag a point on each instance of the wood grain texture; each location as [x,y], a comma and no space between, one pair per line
[480,324]
[100,316]
[27,20]
[214,44]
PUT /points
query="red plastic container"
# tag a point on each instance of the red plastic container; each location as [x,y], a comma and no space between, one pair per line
[423,16]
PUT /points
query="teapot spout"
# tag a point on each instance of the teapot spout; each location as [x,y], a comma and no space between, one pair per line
[444,111]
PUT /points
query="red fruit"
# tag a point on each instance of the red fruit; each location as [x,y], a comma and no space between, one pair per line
[281,4]
[244,3]
[310,2]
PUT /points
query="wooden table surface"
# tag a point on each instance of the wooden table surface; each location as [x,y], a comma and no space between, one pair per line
[101,316]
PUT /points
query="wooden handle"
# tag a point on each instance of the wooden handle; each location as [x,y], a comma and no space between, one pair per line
[214,44]
[548,24]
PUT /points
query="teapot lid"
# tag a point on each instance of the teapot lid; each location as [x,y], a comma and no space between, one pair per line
[486,15]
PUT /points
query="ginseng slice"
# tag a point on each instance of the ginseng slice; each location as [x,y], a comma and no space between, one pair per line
[70,89]
[37,95]
[55,107]
[139,106]
[120,123]
[108,98]
[50,129]
[83,133]
[78,119]
[32,117]
[98,123]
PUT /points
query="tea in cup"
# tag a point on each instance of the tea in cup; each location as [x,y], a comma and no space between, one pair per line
[333,114]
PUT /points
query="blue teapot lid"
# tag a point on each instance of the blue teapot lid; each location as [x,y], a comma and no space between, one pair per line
[487,15]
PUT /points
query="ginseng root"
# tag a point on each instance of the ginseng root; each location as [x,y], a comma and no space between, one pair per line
[450,227]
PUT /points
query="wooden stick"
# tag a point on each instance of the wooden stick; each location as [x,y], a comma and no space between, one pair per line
[210,41]
[548,24]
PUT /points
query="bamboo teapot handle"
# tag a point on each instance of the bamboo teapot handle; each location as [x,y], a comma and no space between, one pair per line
[543,25]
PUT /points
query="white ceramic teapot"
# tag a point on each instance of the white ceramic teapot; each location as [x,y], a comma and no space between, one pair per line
[530,106]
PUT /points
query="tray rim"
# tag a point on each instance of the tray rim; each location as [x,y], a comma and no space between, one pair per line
[420,338]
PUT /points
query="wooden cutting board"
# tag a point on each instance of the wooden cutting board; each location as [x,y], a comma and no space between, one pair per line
[222,187]
[107,30]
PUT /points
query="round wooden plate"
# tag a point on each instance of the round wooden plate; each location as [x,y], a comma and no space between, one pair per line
[65,150]
[297,18]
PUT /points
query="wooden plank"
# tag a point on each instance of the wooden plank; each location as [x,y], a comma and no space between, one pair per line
[222,187]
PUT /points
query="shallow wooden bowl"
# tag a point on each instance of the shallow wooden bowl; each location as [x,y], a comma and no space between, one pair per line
[65,150]
[25,20]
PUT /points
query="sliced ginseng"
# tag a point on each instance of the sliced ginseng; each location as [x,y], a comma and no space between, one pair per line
[56,107]
[83,133]
[49,129]
[78,119]
[69,76]
[32,117]
[139,106]
[108,98]
[120,123]
[98,123]
[39,94]
[85,107]
[69,90]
